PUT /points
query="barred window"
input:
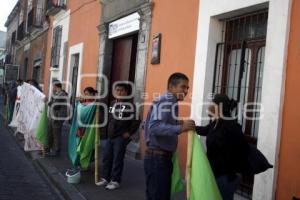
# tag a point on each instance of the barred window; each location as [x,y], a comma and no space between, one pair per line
[238,72]
[239,64]
[56,45]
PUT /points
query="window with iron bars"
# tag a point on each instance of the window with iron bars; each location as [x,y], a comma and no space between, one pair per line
[238,72]
[56,45]
[36,15]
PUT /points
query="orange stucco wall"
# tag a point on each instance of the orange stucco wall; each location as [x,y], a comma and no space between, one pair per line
[85,17]
[177,23]
[288,184]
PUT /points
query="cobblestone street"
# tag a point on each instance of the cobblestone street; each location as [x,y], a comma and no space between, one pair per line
[18,177]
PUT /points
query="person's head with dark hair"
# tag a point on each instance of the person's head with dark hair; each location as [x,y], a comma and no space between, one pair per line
[19,82]
[178,85]
[90,91]
[222,106]
[121,90]
[35,84]
[57,86]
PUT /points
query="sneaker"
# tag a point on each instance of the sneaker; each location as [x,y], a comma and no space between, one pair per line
[102,182]
[112,185]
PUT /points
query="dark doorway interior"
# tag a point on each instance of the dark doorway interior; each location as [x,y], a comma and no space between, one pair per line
[124,57]
[123,64]
[74,77]
[25,69]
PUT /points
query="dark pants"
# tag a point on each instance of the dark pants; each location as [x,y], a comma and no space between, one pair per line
[158,171]
[228,185]
[54,134]
[113,158]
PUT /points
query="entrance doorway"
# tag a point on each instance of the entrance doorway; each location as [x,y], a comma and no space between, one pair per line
[123,65]
[123,60]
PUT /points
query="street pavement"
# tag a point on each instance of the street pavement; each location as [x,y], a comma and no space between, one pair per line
[18,177]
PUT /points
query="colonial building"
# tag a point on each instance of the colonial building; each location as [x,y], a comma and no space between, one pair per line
[73,44]
[246,49]
[26,38]
[56,57]
[2,55]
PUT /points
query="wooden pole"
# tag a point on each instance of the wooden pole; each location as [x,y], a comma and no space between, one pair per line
[96,147]
[189,163]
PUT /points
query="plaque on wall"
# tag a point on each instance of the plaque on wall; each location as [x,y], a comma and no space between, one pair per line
[156,45]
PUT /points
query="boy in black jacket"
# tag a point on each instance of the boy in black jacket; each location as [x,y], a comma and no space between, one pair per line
[122,123]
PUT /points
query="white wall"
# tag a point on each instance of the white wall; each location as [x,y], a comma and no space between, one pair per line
[209,33]
[61,19]
[78,48]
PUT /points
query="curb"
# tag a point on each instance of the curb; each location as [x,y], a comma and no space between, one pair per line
[67,190]
[49,173]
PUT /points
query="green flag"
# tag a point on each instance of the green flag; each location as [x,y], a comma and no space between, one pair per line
[176,184]
[87,145]
[203,183]
[42,130]
[83,115]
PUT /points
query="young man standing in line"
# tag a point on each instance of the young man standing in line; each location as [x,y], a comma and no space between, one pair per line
[122,123]
[58,113]
[162,128]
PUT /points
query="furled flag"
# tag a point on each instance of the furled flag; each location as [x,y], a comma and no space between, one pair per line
[202,182]
[82,119]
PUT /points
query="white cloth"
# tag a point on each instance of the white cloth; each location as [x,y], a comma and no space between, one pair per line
[31,107]
[14,122]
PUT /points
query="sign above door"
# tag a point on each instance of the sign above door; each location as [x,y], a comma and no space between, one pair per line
[125,25]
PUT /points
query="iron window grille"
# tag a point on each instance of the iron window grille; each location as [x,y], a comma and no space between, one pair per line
[56,45]
[238,72]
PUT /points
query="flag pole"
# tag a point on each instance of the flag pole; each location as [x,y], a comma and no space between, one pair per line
[96,146]
[189,163]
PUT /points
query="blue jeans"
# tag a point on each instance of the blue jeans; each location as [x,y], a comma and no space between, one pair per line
[228,185]
[113,158]
[158,171]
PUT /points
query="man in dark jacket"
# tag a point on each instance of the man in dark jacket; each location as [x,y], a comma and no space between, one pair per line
[58,114]
[122,123]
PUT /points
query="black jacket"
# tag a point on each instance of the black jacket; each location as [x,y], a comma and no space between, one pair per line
[59,105]
[122,118]
[227,148]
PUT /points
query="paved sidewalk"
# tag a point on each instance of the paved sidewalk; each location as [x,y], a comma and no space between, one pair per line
[132,186]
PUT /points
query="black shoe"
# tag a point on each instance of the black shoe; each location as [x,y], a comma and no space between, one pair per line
[41,153]
[52,154]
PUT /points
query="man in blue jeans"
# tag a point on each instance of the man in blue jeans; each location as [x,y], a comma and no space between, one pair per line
[122,123]
[162,128]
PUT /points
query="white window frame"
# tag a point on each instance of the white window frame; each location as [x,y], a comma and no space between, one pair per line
[208,35]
